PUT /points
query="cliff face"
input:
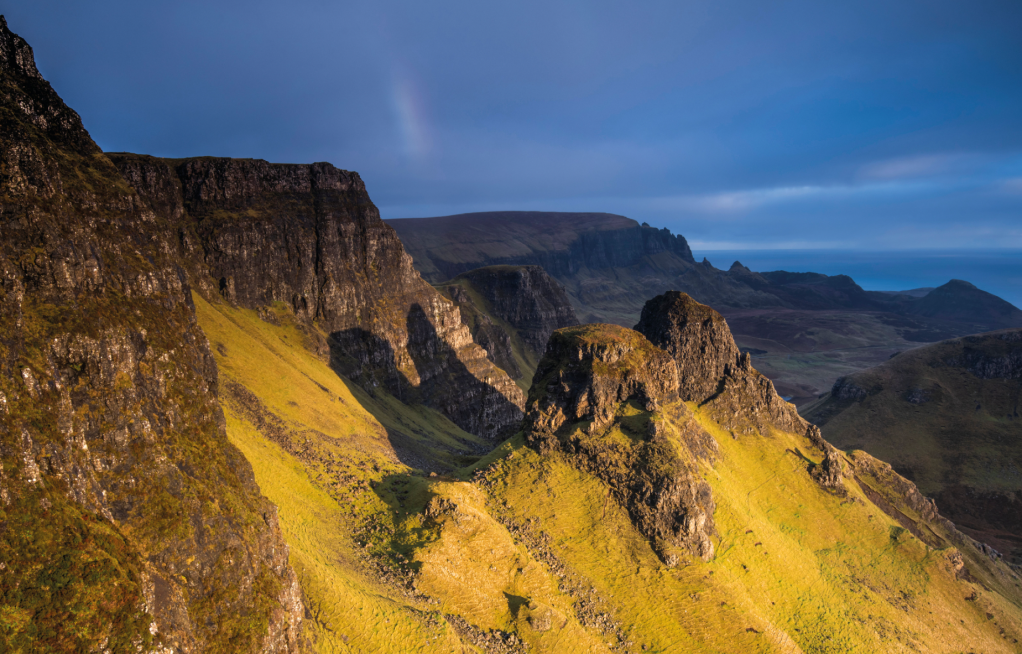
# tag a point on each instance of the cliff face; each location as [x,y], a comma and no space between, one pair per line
[127,521]
[310,237]
[511,311]
[490,336]
[526,298]
[561,243]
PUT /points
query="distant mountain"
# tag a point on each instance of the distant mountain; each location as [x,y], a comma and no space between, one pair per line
[961,302]
[947,416]
[562,243]
[914,292]
[807,329]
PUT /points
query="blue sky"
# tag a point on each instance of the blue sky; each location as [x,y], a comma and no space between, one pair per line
[740,124]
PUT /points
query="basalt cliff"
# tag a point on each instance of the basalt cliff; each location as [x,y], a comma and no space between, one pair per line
[308,236]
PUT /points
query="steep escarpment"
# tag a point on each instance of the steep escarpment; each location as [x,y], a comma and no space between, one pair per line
[512,311]
[946,416]
[309,236]
[561,243]
[127,520]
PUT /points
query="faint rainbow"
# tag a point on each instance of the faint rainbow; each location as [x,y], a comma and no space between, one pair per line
[410,111]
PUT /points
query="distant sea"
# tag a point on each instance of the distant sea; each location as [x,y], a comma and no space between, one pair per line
[995,271]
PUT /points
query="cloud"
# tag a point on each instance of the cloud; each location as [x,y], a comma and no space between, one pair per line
[912,166]
[1012,186]
[748,200]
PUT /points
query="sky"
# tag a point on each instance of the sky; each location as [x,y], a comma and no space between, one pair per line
[740,124]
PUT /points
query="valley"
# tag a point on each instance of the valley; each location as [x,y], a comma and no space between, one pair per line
[805,329]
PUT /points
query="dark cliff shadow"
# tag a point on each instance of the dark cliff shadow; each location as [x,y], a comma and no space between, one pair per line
[446,384]
[367,365]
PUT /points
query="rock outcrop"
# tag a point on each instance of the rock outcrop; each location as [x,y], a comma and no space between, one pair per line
[711,370]
[309,236]
[607,398]
[128,522]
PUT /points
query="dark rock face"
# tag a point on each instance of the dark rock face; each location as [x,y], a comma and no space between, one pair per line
[527,298]
[696,336]
[711,370]
[624,243]
[491,337]
[991,357]
[597,380]
[513,307]
[845,389]
[310,237]
[128,522]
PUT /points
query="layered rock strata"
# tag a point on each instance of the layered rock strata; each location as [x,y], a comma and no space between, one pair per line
[128,522]
[309,236]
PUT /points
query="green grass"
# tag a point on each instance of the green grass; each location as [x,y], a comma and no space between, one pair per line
[796,569]
[327,507]
[807,570]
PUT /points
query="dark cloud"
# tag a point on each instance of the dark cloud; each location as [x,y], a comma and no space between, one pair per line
[865,124]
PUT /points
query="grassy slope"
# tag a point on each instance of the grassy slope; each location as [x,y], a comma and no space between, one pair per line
[352,610]
[796,569]
[965,432]
[816,573]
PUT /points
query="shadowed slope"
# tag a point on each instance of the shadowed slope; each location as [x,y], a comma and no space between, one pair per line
[946,416]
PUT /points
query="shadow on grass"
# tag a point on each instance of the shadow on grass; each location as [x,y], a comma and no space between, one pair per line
[365,360]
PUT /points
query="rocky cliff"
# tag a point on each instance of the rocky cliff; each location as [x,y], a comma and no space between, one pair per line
[309,236]
[711,370]
[512,311]
[561,243]
[127,521]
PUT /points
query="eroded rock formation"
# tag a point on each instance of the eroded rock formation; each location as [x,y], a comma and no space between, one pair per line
[608,399]
[711,370]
